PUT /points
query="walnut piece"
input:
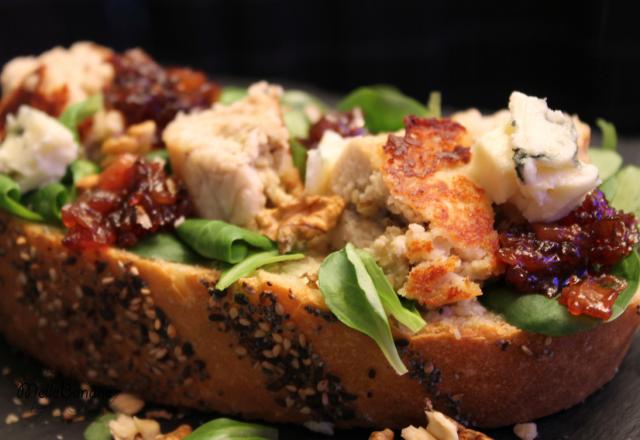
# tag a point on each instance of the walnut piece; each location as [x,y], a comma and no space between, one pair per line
[302,223]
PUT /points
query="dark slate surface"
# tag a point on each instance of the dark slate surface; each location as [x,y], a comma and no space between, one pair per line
[613,413]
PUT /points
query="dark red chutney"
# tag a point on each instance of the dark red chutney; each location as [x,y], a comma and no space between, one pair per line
[571,255]
[142,89]
[133,198]
[346,124]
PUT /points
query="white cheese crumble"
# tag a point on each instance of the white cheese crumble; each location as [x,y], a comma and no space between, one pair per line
[37,149]
[532,161]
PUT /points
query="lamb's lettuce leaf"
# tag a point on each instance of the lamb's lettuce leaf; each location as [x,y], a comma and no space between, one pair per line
[166,246]
[99,428]
[434,105]
[385,107]
[250,264]
[49,200]
[351,296]
[79,169]
[609,135]
[608,162]
[231,94]
[622,190]
[299,156]
[76,113]
[10,200]
[357,291]
[228,429]
[296,106]
[222,241]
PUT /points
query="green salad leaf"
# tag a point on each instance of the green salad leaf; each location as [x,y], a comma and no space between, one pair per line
[295,107]
[165,246]
[609,135]
[608,162]
[49,200]
[228,429]
[99,428]
[406,315]
[79,169]
[221,241]
[250,264]
[622,190]
[74,114]
[434,105]
[10,202]
[385,107]
[299,156]
[231,94]
[539,314]
[350,293]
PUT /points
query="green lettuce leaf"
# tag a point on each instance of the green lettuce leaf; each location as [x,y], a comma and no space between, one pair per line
[350,294]
[622,190]
[299,156]
[10,202]
[231,94]
[76,113]
[385,107]
[99,428]
[609,135]
[434,105]
[167,247]
[295,106]
[608,162]
[49,200]
[80,169]
[250,264]
[221,241]
[228,429]
[539,314]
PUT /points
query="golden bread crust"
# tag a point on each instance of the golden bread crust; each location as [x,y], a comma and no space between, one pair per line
[269,350]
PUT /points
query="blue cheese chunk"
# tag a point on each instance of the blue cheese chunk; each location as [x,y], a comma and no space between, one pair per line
[36,150]
[532,161]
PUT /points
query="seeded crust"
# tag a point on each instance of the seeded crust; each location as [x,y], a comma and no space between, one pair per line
[268,349]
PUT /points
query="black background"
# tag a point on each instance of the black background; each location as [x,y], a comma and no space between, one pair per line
[584,56]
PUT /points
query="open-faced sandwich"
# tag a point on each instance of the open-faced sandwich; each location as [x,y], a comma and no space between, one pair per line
[257,253]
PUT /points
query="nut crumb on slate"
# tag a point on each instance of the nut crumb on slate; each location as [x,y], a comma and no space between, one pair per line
[69,413]
[125,403]
[526,431]
[11,419]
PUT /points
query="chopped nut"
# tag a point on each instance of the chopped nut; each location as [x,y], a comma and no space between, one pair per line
[11,419]
[69,413]
[127,404]
[178,434]
[526,431]
[132,428]
[387,434]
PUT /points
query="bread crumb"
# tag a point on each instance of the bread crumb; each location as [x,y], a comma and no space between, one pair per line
[69,413]
[325,428]
[11,419]
[526,431]
[125,403]
[387,434]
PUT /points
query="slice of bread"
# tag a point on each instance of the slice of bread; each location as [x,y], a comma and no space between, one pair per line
[269,349]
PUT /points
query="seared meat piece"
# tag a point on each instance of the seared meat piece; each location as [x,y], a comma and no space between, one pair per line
[235,160]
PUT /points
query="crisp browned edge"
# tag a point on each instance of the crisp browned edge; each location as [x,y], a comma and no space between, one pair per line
[162,331]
